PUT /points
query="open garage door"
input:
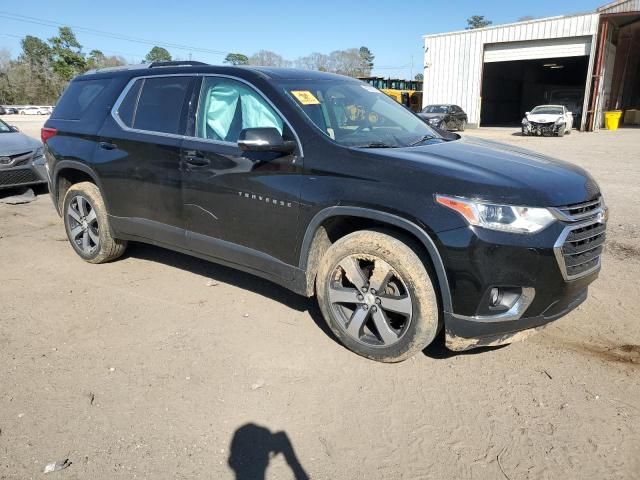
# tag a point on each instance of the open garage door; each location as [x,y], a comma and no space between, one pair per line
[537,49]
[512,87]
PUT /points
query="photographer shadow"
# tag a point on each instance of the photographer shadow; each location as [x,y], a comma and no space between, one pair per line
[252,448]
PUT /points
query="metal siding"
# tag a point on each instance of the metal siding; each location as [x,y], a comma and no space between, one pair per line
[456,58]
[546,48]
[621,7]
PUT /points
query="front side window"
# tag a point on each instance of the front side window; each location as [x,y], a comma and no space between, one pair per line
[228,106]
[354,114]
[155,104]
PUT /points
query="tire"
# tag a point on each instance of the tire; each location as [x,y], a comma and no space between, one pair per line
[463,125]
[86,224]
[391,326]
[561,132]
[568,131]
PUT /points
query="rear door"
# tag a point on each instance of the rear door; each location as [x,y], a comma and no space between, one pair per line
[138,157]
[239,205]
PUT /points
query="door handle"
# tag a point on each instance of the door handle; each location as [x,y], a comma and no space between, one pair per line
[195,159]
[107,146]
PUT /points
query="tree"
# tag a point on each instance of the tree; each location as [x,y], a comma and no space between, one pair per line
[236,59]
[477,21]
[419,77]
[366,61]
[35,51]
[157,54]
[267,58]
[68,59]
[346,62]
[315,61]
[97,59]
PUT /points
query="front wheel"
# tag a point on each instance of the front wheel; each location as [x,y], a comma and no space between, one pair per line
[377,296]
[463,125]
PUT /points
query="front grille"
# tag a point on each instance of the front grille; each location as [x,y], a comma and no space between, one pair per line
[17,177]
[578,211]
[580,247]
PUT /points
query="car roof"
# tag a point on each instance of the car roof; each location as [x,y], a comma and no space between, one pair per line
[172,68]
[545,105]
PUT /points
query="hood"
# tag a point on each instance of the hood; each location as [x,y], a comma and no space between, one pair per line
[432,115]
[16,142]
[489,171]
[543,117]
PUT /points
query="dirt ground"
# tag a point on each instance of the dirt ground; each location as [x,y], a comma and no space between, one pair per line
[163,366]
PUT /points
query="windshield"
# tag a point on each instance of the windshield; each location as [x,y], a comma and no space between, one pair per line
[355,114]
[4,128]
[546,110]
[436,109]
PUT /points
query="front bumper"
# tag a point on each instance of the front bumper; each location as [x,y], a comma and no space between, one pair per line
[30,174]
[542,129]
[478,260]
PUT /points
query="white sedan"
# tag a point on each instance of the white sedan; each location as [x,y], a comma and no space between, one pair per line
[547,120]
[34,111]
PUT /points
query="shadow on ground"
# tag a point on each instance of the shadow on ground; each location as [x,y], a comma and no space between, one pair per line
[246,281]
[253,447]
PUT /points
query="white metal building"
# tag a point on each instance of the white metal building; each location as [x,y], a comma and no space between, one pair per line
[589,62]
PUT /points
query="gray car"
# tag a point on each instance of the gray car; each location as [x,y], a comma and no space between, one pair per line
[21,158]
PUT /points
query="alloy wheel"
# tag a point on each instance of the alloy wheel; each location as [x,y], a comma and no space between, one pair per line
[83,225]
[370,300]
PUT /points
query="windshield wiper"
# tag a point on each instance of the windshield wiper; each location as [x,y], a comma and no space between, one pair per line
[423,139]
[375,145]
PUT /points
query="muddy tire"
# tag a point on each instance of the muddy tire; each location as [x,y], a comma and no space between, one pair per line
[377,296]
[463,126]
[87,226]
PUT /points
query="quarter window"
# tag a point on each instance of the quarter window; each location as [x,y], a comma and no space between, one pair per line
[227,107]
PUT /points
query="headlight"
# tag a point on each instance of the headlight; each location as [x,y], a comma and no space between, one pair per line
[434,120]
[505,218]
[560,120]
[39,152]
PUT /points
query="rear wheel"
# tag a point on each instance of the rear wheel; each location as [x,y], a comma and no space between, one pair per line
[86,224]
[377,297]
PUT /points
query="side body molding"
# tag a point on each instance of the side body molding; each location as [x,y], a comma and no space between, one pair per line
[390,219]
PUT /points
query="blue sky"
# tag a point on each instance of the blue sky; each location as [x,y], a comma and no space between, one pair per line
[290,28]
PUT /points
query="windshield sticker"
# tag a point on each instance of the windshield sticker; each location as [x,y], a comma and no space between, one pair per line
[305,97]
[369,88]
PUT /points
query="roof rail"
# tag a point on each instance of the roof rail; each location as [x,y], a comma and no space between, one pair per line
[185,63]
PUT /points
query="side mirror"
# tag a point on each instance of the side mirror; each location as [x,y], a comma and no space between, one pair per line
[13,128]
[526,114]
[266,139]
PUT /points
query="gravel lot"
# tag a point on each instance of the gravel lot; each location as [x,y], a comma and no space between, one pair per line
[164,366]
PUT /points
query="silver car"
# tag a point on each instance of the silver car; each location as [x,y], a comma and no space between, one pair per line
[21,158]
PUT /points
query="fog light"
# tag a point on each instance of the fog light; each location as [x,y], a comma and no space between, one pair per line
[495,297]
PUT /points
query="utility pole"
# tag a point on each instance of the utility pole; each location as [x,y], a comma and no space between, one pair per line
[411,77]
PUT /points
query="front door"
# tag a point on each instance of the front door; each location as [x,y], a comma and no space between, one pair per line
[239,206]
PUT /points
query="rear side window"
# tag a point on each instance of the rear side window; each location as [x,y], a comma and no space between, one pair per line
[155,104]
[78,97]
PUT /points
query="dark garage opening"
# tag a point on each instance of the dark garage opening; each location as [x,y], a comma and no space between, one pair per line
[509,89]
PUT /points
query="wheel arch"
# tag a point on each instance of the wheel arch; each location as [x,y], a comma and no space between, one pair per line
[316,240]
[67,173]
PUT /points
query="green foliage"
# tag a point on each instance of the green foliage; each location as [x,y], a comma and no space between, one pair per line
[157,54]
[419,77]
[42,70]
[236,59]
[366,61]
[477,21]
[67,57]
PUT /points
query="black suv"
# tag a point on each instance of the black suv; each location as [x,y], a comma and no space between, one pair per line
[326,186]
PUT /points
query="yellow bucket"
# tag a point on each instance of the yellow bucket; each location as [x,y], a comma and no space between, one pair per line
[612,119]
